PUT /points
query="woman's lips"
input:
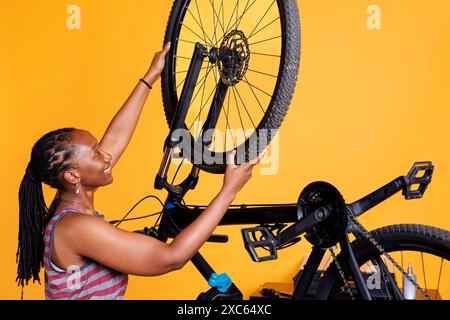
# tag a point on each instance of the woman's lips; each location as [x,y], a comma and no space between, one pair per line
[108,170]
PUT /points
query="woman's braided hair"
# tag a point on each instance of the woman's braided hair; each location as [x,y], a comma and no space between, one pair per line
[51,155]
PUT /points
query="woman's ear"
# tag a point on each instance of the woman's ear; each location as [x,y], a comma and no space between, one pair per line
[71,176]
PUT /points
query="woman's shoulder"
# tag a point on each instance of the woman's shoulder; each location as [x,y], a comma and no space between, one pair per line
[78,230]
[75,223]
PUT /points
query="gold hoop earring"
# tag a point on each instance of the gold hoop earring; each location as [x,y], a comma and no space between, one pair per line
[78,189]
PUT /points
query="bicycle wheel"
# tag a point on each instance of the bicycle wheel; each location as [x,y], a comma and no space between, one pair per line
[252,66]
[425,248]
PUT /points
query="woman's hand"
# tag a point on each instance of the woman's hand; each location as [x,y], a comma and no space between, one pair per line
[237,176]
[157,65]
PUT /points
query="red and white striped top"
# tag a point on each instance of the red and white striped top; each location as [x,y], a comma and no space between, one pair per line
[90,281]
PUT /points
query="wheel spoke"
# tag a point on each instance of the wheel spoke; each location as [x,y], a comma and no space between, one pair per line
[261,18]
[227,122]
[182,40]
[198,82]
[188,70]
[423,270]
[182,57]
[257,88]
[262,109]
[260,72]
[401,253]
[223,16]
[218,93]
[201,27]
[237,20]
[266,54]
[201,23]
[246,110]
[201,108]
[253,43]
[439,279]
[226,126]
[242,15]
[263,28]
[181,83]
[239,112]
[222,99]
[229,127]
[232,14]
[200,114]
[217,15]
[214,36]
[237,13]
[195,33]
[204,82]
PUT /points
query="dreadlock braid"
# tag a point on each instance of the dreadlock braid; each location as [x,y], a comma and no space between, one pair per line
[51,155]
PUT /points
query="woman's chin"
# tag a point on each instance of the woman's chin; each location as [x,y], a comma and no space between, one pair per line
[109,179]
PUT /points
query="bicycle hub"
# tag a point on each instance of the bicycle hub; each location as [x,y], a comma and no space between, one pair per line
[231,57]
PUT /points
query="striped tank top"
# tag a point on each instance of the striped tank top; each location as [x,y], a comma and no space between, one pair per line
[91,281]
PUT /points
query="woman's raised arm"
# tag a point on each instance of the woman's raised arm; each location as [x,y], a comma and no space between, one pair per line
[121,128]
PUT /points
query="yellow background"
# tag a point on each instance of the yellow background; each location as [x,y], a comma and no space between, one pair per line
[368,104]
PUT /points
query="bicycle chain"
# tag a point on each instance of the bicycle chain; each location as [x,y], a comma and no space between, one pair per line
[341,273]
[367,234]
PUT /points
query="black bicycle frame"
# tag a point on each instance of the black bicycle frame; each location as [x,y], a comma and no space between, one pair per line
[177,216]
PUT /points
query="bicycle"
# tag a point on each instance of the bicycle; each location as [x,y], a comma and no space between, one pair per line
[230,49]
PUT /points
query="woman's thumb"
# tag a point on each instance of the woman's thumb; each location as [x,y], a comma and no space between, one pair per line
[230,158]
[166,46]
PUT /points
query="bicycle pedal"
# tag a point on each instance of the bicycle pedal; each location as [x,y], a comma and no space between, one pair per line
[267,240]
[418,181]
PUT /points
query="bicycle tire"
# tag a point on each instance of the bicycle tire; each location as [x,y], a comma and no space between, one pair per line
[283,92]
[411,237]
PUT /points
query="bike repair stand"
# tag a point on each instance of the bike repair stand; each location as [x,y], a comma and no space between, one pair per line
[222,286]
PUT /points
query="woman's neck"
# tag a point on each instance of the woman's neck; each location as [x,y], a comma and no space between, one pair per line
[83,202]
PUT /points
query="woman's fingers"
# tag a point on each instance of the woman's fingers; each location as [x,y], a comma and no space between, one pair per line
[231,156]
[164,50]
[258,158]
[166,47]
[230,159]
[158,62]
